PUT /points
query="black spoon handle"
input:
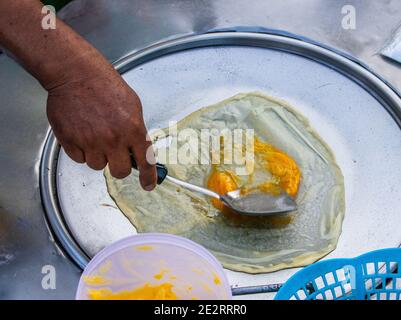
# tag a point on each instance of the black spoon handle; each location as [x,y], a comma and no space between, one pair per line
[160,168]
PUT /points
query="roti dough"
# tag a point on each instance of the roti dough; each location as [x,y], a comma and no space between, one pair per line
[254,246]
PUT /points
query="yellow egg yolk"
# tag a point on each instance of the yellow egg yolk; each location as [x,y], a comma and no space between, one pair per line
[161,274]
[147,292]
[221,182]
[144,248]
[285,176]
[280,165]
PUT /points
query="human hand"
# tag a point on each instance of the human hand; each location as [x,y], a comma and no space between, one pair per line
[97,118]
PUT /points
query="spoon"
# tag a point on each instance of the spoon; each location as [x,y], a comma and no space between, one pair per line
[253,204]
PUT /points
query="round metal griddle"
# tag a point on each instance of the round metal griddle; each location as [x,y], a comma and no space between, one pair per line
[355,112]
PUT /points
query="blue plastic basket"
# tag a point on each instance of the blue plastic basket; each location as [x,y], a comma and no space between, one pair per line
[372,276]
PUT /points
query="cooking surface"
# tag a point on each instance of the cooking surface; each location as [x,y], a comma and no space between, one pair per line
[25,244]
[201,77]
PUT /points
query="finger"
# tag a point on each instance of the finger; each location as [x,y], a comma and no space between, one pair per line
[95,160]
[119,163]
[144,157]
[74,152]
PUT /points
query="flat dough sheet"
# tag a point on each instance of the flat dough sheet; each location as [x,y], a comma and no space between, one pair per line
[254,247]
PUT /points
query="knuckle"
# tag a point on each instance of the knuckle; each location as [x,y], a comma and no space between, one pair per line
[147,173]
[77,158]
[96,162]
[65,139]
[146,167]
[91,165]
[134,126]
[142,161]
[136,118]
[120,173]
[112,138]
[74,153]
[96,165]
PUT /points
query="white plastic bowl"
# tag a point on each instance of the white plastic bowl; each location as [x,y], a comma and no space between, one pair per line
[156,258]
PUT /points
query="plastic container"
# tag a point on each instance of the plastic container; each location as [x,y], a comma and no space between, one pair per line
[154,259]
[372,276]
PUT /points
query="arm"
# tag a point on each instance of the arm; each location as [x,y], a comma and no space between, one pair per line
[95,115]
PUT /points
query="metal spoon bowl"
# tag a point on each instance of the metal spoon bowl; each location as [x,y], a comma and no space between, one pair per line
[259,204]
[253,204]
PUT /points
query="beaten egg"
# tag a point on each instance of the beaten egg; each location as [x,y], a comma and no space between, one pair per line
[162,291]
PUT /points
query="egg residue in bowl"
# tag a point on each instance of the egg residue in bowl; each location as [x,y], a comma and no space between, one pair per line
[288,156]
